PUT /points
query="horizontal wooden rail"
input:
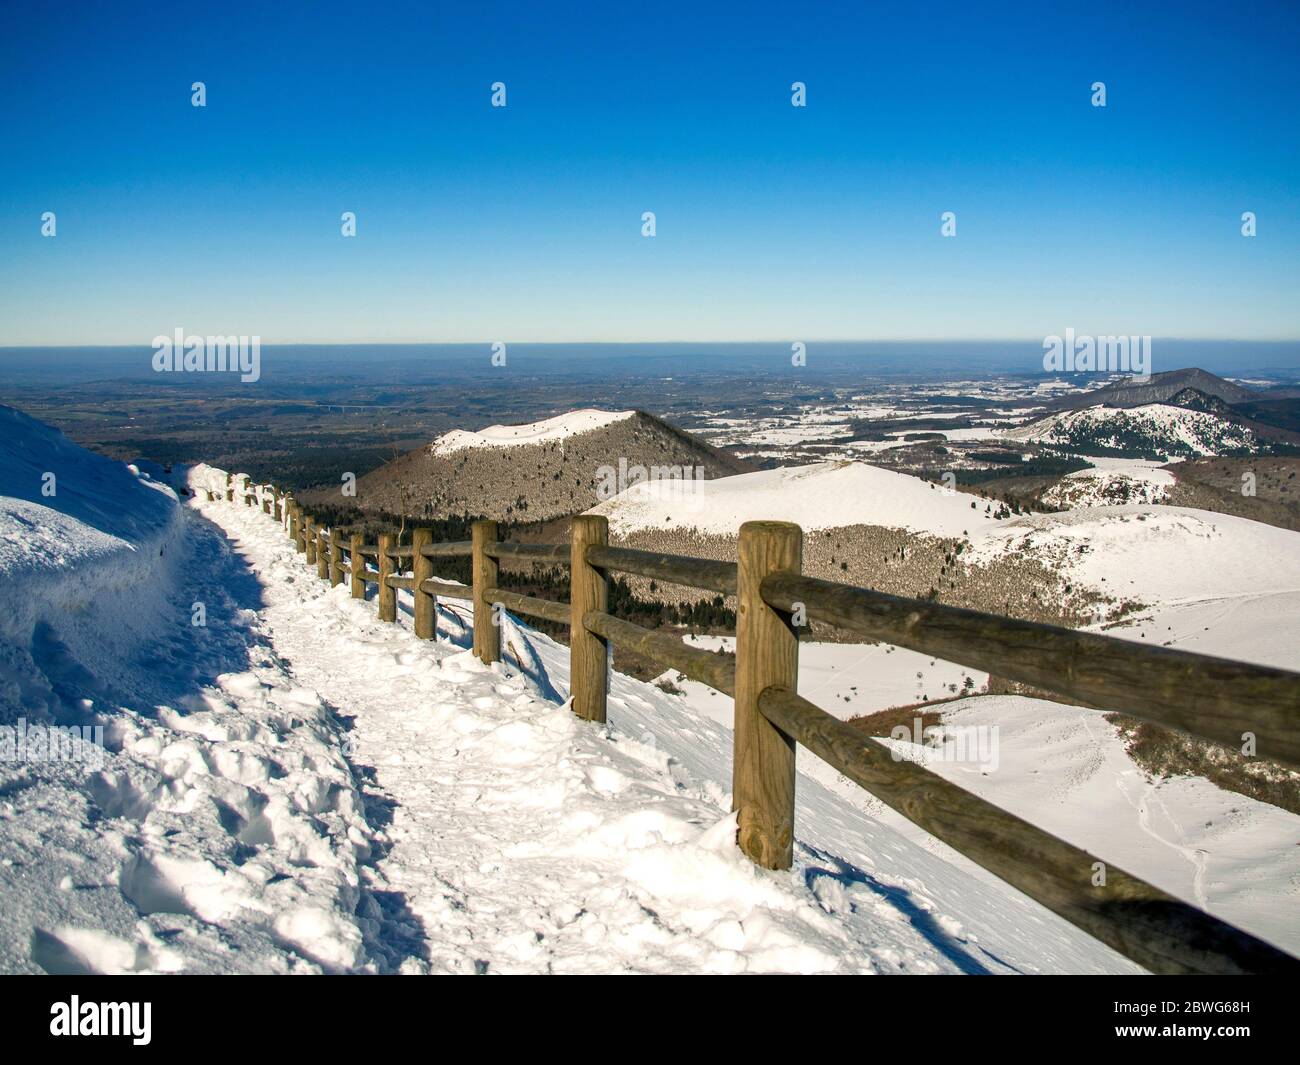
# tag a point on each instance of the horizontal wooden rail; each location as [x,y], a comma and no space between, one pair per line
[527,604]
[675,569]
[396,580]
[1140,921]
[445,590]
[534,552]
[716,670]
[448,549]
[1213,698]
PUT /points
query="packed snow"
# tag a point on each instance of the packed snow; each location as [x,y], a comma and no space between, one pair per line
[561,427]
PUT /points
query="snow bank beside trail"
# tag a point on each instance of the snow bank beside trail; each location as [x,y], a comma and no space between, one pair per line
[212,825]
[79,535]
[819,496]
[560,427]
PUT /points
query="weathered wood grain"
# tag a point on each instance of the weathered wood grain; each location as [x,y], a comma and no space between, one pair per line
[387,593]
[675,569]
[531,605]
[767,655]
[588,592]
[716,670]
[487,637]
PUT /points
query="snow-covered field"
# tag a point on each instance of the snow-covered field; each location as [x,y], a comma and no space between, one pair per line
[293,785]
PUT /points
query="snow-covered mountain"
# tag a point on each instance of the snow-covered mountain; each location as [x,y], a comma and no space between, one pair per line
[1146,432]
[538,471]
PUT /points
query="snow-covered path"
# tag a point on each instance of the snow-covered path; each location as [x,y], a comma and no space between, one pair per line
[512,837]
[286,784]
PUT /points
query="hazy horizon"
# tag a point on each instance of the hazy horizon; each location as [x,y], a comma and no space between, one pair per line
[895,359]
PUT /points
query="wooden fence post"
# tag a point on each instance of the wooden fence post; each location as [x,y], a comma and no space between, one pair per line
[336,559]
[357,568]
[387,566]
[767,655]
[323,540]
[276,512]
[266,503]
[309,533]
[422,570]
[299,529]
[588,590]
[230,489]
[487,637]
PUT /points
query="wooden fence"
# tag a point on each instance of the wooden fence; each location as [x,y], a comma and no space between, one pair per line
[1210,698]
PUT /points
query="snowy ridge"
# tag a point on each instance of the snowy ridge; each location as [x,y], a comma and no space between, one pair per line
[560,427]
[1211,582]
[818,496]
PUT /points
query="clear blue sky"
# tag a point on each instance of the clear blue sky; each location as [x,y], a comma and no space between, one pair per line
[523,223]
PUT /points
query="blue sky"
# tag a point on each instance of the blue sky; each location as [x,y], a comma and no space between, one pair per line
[524,223]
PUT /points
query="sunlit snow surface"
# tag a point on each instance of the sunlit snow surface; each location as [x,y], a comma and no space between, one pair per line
[296,786]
